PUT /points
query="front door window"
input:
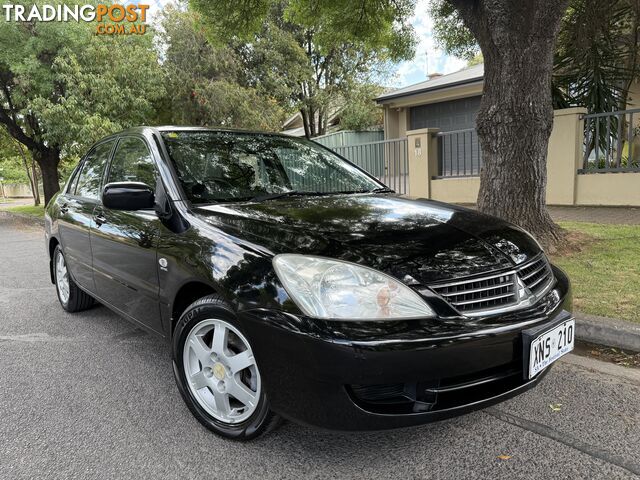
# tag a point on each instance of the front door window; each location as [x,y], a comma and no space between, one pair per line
[133,162]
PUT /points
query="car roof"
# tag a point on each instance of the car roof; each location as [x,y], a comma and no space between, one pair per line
[142,129]
[187,128]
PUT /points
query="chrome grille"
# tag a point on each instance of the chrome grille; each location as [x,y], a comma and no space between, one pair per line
[499,291]
[536,275]
[480,293]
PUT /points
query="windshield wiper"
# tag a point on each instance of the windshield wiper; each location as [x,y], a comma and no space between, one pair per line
[349,192]
[382,190]
[289,193]
[273,196]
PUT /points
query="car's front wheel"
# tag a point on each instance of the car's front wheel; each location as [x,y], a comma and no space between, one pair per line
[217,373]
[71,297]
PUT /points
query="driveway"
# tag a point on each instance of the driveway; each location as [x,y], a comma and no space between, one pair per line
[90,396]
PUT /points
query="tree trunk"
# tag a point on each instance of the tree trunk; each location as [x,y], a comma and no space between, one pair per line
[516,114]
[321,121]
[305,123]
[36,186]
[48,159]
[31,173]
[311,118]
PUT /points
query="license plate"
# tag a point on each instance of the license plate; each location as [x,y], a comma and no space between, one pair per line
[550,345]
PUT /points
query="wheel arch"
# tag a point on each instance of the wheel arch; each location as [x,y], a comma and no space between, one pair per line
[53,243]
[185,296]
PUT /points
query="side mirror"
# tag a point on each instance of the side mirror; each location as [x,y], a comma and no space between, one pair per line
[127,196]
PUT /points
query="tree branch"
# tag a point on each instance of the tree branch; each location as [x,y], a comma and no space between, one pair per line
[9,118]
[16,131]
[7,94]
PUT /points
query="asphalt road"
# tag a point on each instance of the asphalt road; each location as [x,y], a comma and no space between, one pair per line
[89,396]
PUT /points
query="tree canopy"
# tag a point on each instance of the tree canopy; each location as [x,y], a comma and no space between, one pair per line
[308,52]
[208,83]
[450,32]
[596,54]
[246,64]
[62,87]
[360,111]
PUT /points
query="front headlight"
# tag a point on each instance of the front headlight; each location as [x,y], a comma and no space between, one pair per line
[325,288]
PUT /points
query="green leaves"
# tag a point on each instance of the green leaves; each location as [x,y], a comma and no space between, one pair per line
[360,111]
[308,53]
[109,84]
[214,84]
[450,32]
[380,25]
[228,104]
[11,168]
[595,55]
[225,19]
[596,50]
[67,87]
[377,25]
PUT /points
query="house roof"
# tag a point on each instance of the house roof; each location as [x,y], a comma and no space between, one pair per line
[295,126]
[294,132]
[462,77]
[293,121]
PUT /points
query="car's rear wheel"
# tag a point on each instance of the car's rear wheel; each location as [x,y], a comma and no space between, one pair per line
[217,373]
[71,297]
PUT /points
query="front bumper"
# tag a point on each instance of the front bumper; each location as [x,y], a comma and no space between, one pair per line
[378,375]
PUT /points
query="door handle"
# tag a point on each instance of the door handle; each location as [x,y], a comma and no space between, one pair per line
[99,219]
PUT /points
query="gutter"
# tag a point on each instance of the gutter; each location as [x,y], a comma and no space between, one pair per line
[380,100]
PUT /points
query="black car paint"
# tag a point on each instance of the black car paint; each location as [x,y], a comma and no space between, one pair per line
[75,217]
[307,363]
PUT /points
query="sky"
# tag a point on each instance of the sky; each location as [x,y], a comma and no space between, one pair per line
[428,58]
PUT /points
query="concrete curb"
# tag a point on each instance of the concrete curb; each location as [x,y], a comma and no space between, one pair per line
[22,218]
[608,331]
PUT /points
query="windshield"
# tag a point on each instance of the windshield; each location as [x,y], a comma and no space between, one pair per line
[229,166]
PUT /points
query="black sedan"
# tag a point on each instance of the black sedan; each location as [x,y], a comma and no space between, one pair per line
[292,284]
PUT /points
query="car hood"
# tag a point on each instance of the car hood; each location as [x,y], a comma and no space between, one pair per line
[417,241]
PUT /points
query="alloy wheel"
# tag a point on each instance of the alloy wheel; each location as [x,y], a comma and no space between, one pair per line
[62,278]
[221,371]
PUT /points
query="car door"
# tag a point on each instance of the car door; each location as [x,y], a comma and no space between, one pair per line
[124,243]
[76,214]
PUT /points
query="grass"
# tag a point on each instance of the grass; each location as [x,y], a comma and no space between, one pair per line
[26,210]
[605,274]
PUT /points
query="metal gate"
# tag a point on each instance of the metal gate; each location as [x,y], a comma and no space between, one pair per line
[386,160]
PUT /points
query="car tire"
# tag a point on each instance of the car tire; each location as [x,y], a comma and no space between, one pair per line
[72,298]
[214,379]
